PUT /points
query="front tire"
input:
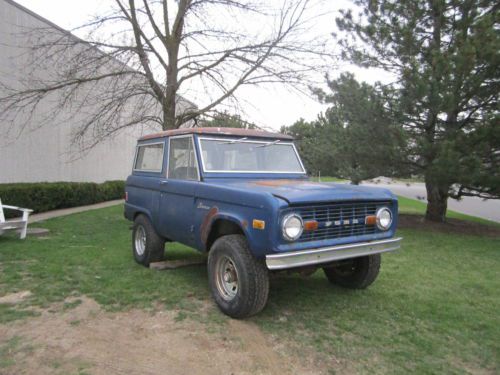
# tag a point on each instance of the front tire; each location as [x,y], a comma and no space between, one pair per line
[355,273]
[239,283]
[147,245]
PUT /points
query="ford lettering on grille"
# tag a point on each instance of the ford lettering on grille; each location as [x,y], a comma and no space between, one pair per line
[337,220]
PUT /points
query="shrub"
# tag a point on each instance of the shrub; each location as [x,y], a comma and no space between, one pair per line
[46,196]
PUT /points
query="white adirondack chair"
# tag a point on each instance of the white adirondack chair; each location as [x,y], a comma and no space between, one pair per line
[14,224]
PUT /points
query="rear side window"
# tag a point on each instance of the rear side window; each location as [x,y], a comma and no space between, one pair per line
[182,164]
[149,158]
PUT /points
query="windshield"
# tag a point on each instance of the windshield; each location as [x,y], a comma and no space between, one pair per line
[241,155]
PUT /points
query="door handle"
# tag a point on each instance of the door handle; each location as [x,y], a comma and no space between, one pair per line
[163,182]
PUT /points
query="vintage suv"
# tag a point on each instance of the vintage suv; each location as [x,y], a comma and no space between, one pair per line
[243,197]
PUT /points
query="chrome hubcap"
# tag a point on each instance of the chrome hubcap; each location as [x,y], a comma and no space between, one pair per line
[226,278]
[140,240]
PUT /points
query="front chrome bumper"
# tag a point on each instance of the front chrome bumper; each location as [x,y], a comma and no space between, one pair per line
[330,254]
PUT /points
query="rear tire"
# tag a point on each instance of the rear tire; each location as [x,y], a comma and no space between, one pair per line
[147,245]
[239,283]
[355,273]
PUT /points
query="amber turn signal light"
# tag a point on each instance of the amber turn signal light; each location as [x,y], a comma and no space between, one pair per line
[310,225]
[258,224]
[371,220]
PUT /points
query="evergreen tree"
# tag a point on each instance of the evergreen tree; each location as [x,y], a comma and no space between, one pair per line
[357,137]
[226,120]
[315,145]
[364,137]
[445,56]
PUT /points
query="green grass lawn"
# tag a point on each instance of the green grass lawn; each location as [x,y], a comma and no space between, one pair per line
[434,308]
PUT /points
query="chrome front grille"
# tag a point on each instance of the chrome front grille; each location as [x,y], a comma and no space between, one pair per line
[337,220]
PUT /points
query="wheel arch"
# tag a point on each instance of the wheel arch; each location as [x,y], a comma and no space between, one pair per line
[132,211]
[140,211]
[146,213]
[221,226]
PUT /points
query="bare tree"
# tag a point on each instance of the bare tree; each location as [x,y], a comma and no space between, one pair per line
[137,62]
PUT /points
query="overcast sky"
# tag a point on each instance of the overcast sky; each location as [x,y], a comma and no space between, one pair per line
[270,106]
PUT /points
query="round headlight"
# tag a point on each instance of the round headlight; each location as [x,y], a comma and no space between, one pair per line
[292,227]
[384,218]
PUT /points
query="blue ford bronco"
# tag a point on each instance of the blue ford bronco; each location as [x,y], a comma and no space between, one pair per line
[243,197]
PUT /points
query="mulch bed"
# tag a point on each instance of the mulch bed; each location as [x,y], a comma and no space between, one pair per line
[451,226]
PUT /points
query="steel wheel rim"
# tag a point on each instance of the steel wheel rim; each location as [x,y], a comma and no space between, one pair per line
[140,240]
[226,278]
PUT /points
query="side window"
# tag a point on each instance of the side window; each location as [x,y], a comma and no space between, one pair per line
[182,163]
[149,158]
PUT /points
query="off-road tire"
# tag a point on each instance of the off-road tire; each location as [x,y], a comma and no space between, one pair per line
[356,273]
[154,248]
[252,277]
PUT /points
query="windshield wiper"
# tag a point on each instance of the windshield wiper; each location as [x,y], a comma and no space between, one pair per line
[269,143]
[233,141]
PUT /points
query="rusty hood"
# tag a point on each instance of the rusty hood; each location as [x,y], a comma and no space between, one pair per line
[295,191]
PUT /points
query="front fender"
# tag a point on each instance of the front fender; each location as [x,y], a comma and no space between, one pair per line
[213,215]
[258,240]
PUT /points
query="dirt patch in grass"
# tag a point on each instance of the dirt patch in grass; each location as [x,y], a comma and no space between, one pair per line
[15,298]
[87,340]
[451,226]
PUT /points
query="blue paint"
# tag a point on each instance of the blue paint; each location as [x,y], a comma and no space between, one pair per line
[185,211]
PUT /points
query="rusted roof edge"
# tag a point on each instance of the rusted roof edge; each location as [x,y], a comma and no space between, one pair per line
[218,131]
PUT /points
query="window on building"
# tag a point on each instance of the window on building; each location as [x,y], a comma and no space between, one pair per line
[149,158]
[182,164]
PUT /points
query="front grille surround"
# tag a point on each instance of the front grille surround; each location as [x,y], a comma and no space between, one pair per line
[338,219]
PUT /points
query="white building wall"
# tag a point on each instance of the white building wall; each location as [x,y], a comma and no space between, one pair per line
[46,153]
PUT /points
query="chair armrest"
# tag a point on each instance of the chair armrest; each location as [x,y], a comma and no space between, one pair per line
[16,208]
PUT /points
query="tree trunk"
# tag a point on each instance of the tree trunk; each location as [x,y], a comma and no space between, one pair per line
[169,109]
[437,201]
[172,43]
[169,113]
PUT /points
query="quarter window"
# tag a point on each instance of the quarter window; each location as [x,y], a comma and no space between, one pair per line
[182,163]
[149,158]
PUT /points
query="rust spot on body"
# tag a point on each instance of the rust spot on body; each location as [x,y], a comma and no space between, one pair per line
[280,182]
[206,224]
[244,223]
[219,131]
